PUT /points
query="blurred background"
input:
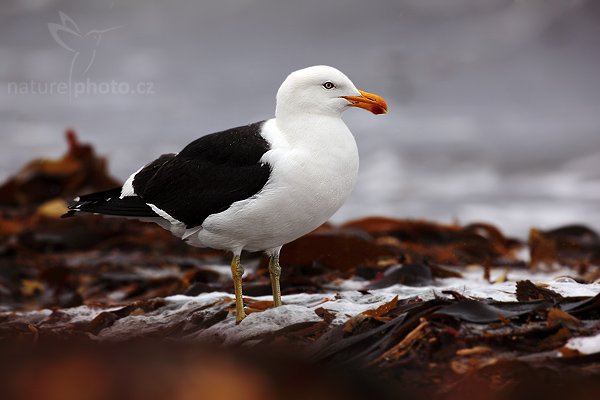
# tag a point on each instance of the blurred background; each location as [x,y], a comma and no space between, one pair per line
[494,104]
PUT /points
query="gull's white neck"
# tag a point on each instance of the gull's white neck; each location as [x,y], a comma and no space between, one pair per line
[317,132]
[321,146]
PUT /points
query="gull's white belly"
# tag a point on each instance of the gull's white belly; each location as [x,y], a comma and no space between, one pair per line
[304,191]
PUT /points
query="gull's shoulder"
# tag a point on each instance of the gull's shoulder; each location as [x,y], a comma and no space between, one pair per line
[243,144]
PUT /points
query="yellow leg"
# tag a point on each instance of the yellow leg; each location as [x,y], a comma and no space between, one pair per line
[275,272]
[237,271]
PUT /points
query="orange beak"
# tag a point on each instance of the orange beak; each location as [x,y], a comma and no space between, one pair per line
[368,101]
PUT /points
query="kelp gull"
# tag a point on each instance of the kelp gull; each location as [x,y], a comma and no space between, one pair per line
[254,187]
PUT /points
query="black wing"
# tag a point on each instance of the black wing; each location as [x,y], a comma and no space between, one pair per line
[207,176]
[109,203]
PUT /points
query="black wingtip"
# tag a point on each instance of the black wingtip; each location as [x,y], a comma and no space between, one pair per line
[73,204]
[69,214]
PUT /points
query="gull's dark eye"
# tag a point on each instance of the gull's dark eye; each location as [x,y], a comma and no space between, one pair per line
[328,85]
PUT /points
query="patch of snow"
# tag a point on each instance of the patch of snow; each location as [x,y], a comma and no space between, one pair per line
[351,303]
[472,284]
[203,299]
[178,305]
[573,289]
[156,273]
[29,316]
[85,313]
[350,284]
[259,323]
[585,345]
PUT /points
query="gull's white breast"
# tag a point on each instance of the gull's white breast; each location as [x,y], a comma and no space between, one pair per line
[312,174]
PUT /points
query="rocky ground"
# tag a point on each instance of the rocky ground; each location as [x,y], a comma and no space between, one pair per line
[99,308]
